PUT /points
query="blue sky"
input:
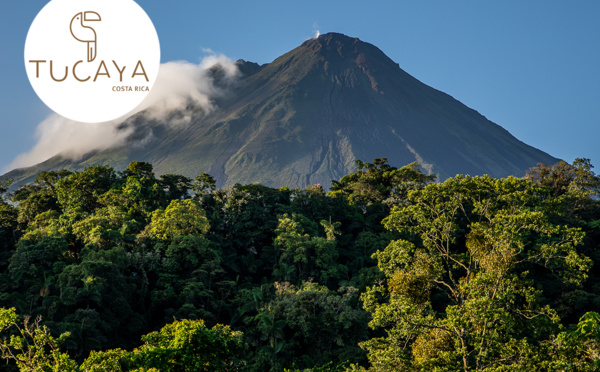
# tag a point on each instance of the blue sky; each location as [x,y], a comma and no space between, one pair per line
[532,67]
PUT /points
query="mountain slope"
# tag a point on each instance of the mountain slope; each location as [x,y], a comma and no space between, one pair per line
[305,117]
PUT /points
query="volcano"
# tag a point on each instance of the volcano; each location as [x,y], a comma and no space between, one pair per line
[308,115]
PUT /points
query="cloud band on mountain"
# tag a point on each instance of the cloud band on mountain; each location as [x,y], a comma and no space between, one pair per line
[179,84]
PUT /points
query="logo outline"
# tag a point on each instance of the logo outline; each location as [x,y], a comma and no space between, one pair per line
[82,34]
[102,85]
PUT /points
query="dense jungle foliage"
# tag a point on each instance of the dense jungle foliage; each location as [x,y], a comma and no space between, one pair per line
[388,271]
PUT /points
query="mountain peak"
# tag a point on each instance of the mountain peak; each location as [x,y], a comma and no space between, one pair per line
[339,46]
[308,115]
[336,37]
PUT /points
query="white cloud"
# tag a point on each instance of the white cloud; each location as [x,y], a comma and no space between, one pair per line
[179,85]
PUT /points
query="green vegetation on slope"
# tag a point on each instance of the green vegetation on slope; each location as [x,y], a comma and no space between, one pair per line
[387,271]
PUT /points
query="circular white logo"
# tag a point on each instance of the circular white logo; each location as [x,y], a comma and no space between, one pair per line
[92,60]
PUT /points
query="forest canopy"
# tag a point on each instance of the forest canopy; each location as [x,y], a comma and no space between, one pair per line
[104,270]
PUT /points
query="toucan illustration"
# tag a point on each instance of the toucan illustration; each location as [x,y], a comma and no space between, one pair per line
[84,33]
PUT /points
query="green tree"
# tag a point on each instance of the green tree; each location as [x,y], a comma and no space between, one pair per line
[139,169]
[180,218]
[81,191]
[188,345]
[175,186]
[141,193]
[38,197]
[309,326]
[203,184]
[190,279]
[114,360]
[373,183]
[243,220]
[33,348]
[563,177]
[101,300]
[33,271]
[458,294]
[578,350]
[185,345]
[5,186]
[8,232]
[304,255]
[107,227]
